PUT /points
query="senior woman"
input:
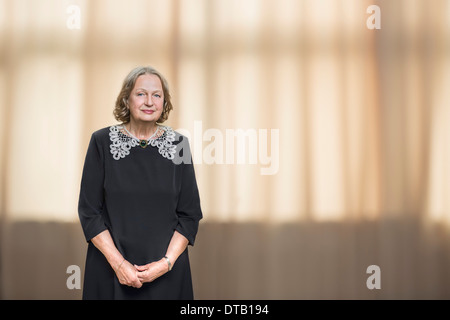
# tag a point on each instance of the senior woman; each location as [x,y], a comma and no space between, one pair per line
[139,205]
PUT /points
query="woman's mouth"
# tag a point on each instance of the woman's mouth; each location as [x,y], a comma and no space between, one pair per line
[148,111]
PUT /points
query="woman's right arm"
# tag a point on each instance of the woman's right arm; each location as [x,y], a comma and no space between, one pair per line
[90,207]
[125,271]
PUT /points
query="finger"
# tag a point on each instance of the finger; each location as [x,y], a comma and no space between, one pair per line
[141,268]
[142,275]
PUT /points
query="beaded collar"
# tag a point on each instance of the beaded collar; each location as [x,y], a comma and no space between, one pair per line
[122,141]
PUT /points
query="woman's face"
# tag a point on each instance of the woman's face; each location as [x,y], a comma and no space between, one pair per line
[146,100]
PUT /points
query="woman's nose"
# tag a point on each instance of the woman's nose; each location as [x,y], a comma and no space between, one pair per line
[149,101]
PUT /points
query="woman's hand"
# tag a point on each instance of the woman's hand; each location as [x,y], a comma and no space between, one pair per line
[127,275]
[124,270]
[151,271]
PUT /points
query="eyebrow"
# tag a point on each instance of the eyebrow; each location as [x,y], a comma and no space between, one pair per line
[147,90]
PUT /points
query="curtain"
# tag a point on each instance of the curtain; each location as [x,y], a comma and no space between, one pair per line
[297,112]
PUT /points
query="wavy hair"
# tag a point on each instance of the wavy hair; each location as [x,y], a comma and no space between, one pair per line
[122,112]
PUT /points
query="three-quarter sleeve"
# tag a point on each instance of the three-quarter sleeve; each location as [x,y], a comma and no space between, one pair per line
[91,201]
[188,207]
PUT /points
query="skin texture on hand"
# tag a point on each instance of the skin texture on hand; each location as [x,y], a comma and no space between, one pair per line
[134,275]
[128,275]
[151,271]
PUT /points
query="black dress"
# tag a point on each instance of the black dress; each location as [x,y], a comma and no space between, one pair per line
[141,194]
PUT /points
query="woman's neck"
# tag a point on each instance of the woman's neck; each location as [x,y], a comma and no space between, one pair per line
[141,130]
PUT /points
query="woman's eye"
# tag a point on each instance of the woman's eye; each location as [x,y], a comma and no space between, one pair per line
[140,94]
[157,95]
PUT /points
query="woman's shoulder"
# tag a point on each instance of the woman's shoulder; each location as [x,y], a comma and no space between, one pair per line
[176,135]
[170,134]
[102,132]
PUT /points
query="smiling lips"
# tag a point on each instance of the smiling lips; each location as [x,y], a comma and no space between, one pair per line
[148,111]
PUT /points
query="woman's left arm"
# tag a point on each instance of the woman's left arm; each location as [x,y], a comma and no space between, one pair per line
[189,213]
[177,245]
[153,270]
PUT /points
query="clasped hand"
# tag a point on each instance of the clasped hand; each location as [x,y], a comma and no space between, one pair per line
[135,276]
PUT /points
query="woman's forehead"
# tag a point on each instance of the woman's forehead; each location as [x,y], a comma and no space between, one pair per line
[147,82]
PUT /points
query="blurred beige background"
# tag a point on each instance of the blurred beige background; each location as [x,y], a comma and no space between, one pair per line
[363,149]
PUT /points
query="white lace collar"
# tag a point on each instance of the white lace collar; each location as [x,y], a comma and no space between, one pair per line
[122,141]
